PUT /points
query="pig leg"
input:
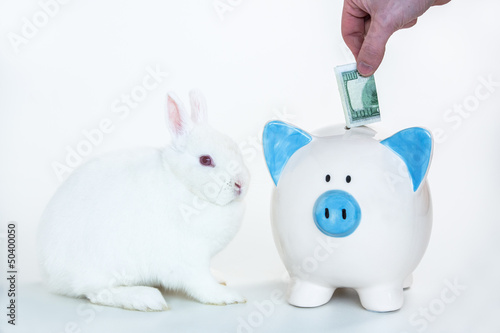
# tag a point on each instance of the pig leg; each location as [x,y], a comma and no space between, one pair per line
[382,298]
[408,281]
[307,294]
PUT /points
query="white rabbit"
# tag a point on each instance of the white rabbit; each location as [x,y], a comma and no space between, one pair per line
[128,222]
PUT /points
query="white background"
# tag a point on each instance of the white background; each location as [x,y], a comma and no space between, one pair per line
[261,60]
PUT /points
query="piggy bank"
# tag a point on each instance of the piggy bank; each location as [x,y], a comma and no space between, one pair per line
[349,211]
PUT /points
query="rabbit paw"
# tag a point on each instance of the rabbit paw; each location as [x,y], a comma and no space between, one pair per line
[131,298]
[219,295]
[218,277]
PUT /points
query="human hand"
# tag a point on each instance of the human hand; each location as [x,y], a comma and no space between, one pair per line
[368,24]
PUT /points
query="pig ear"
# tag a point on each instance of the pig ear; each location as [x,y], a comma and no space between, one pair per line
[414,146]
[281,141]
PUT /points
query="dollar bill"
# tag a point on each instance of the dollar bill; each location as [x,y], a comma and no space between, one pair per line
[358,95]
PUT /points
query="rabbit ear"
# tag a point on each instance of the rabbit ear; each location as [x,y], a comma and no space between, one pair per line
[178,120]
[198,106]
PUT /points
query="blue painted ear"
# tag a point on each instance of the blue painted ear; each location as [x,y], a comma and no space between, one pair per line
[414,146]
[281,141]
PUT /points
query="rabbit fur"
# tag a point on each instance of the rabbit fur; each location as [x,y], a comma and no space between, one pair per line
[127,223]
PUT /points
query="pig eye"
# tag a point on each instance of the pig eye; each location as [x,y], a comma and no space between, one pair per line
[206,160]
[327,178]
[348,179]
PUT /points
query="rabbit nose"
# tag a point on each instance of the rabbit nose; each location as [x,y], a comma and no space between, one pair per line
[238,187]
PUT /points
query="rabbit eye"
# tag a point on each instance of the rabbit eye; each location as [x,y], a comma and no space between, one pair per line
[206,160]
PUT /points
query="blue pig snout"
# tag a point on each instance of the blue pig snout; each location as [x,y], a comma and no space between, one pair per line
[336,213]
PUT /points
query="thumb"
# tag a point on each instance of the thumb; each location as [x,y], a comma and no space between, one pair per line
[373,48]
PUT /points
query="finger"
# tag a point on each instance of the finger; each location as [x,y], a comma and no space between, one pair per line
[353,32]
[441,2]
[373,48]
[409,24]
[368,22]
[353,27]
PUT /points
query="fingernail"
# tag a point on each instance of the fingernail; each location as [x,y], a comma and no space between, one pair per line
[365,69]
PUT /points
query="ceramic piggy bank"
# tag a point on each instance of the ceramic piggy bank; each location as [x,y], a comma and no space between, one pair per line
[349,211]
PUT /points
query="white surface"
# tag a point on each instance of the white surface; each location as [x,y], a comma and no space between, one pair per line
[343,313]
[264,57]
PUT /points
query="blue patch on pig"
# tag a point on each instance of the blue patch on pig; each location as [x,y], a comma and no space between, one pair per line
[414,146]
[281,141]
[336,213]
